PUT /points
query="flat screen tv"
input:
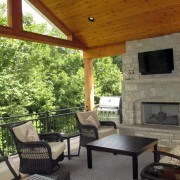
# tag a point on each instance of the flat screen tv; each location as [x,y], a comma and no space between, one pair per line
[156,62]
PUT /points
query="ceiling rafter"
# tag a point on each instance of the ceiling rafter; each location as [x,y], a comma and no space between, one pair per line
[34,37]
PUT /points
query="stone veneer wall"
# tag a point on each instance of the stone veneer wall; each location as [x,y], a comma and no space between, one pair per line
[139,88]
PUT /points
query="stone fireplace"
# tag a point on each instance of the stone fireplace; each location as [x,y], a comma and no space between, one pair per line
[154,89]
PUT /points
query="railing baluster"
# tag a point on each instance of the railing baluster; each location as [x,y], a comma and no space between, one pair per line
[47,119]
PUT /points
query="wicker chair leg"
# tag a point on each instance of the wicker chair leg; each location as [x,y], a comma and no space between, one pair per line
[56,168]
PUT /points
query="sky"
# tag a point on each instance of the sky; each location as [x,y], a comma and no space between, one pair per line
[27,8]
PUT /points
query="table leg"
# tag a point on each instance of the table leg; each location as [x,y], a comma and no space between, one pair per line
[135,167]
[79,145]
[89,158]
[156,158]
[69,151]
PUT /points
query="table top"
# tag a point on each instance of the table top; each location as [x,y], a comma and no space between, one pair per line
[123,144]
[158,171]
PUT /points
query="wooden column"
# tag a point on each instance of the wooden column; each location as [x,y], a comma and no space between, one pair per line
[15,14]
[89,83]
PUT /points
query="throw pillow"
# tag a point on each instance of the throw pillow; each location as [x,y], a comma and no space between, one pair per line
[92,121]
[21,131]
[173,160]
[32,135]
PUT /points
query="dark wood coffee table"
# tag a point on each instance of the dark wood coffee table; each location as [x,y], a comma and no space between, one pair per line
[124,145]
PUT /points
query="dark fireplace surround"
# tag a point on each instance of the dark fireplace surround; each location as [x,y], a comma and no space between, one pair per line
[160,113]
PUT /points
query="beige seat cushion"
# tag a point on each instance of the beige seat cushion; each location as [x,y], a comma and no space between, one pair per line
[57,148]
[104,131]
[5,173]
[23,130]
[166,159]
[83,116]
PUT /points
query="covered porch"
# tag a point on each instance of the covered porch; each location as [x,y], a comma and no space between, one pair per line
[107,28]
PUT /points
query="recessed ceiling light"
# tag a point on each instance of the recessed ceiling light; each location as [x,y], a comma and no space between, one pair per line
[91,19]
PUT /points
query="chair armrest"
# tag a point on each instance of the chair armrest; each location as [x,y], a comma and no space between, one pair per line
[108,123]
[158,153]
[87,129]
[51,137]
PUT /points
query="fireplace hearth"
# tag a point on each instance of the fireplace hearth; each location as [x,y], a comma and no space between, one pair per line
[160,113]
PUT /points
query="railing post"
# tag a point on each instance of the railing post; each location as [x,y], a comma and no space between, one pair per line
[46,121]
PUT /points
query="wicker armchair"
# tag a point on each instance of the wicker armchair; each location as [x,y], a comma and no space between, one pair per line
[91,128]
[38,153]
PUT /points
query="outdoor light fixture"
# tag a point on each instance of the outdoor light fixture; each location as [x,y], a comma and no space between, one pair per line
[91,19]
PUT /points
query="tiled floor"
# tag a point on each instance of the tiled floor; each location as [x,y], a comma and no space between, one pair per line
[74,148]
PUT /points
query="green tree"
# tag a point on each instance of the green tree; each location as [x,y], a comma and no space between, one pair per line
[118,61]
[107,78]
[36,77]
[3,12]
[69,88]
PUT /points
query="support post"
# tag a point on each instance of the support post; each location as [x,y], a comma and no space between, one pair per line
[15,14]
[89,83]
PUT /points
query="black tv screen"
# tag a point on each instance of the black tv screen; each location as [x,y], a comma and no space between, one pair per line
[156,62]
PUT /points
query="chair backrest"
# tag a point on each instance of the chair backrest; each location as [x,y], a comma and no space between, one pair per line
[87,115]
[24,132]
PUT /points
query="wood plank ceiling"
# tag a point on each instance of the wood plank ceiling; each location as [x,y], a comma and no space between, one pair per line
[116,21]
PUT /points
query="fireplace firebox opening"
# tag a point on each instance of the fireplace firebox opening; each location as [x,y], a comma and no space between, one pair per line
[160,113]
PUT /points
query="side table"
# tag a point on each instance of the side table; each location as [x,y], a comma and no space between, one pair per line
[159,171]
[68,137]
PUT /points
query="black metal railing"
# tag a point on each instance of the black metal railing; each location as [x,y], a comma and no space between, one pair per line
[62,120]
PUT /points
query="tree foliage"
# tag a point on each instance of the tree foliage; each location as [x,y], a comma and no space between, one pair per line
[107,78]
[36,77]
[3,12]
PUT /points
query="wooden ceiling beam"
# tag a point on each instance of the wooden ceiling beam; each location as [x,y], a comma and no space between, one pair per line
[15,14]
[50,16]
[104,51]
[34,37]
